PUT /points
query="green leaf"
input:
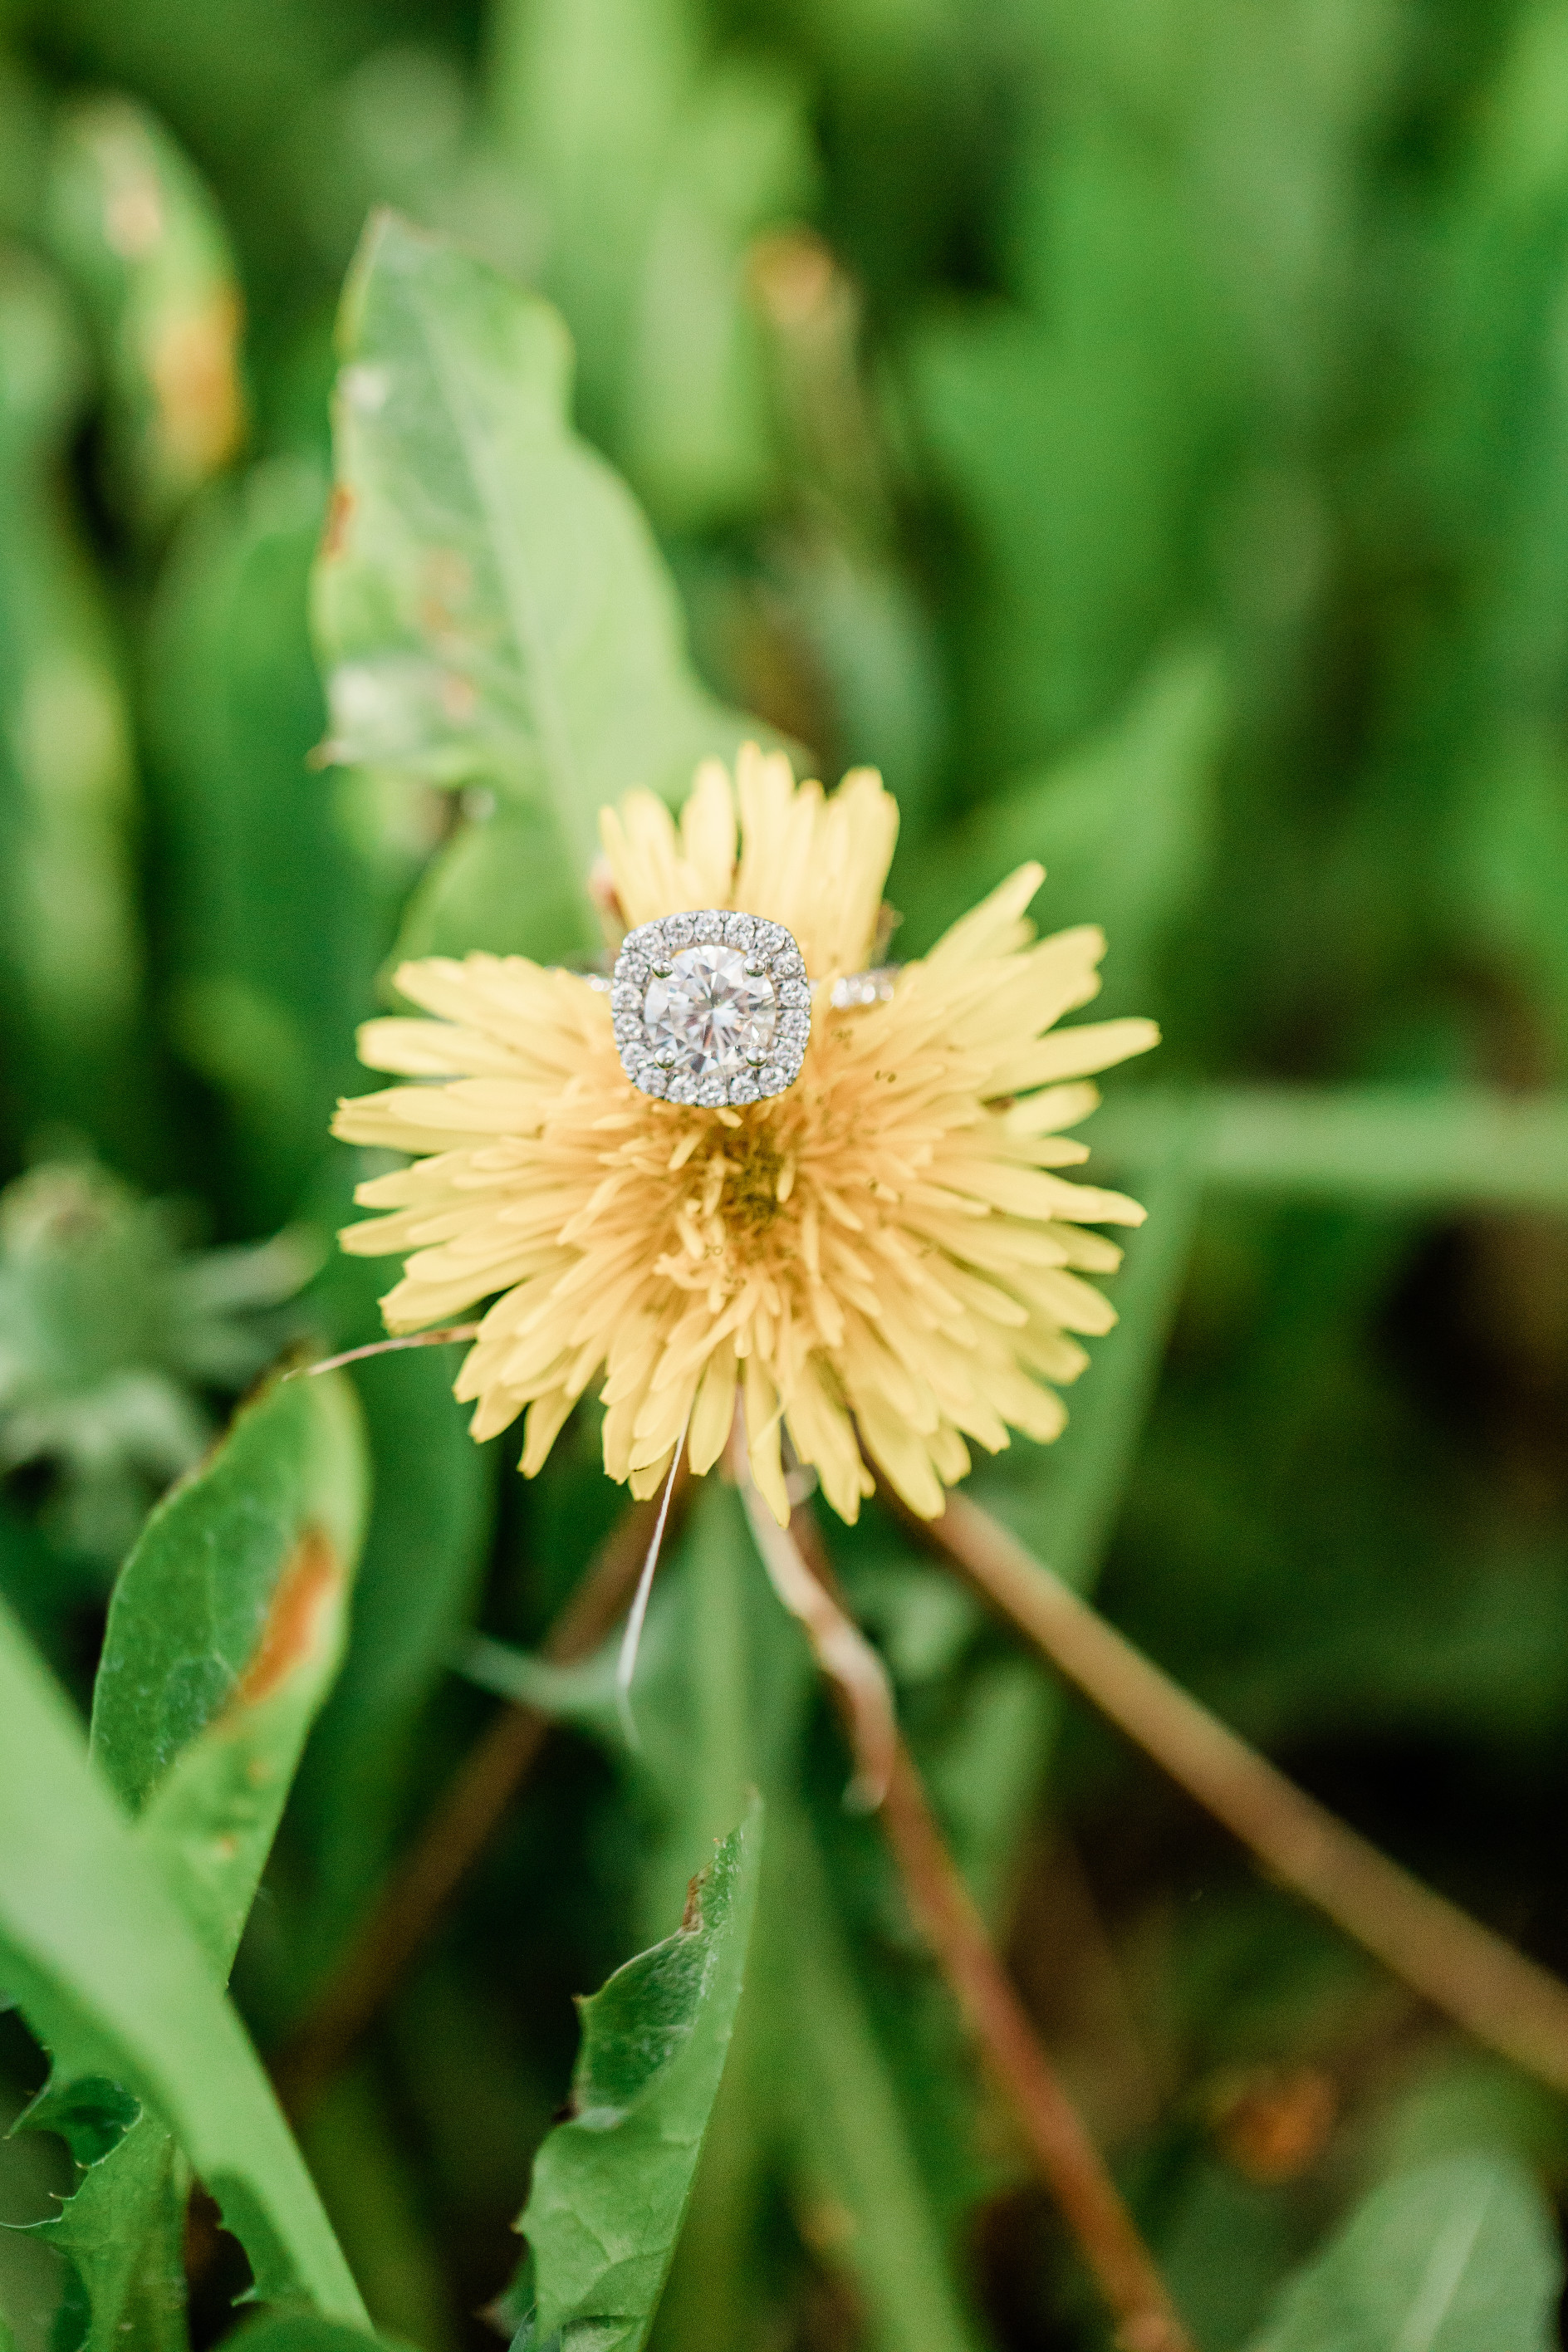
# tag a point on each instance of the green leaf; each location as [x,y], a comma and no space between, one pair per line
[133,226]
[233,1600]
[610,2187]
[303,2331]
[115,1982]
[1460,2256]
[491,606]
[223,1638]
[584,1693]
[122,2233]
[470,896]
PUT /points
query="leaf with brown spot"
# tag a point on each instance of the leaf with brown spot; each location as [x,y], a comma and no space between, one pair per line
[224,1637]
[299,1621]
[233,1581]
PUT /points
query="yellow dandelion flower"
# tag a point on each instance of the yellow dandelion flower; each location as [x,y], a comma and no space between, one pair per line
[883,1255]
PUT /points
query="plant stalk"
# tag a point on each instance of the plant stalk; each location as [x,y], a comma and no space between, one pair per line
[1067,2158]
[1464,1970]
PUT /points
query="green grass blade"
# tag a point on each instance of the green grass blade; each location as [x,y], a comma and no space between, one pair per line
[851,2137]
[1385,1147]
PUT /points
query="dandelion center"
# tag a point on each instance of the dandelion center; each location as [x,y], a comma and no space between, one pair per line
[752,1166]
[709,1017]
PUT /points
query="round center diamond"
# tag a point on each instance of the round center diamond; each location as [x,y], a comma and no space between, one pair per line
[710,1018]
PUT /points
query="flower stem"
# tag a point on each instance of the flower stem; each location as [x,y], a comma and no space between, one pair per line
[457,1832]
[1473,1976]
[1067,2160]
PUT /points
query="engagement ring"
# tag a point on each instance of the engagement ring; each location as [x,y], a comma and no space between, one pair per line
[710,1008]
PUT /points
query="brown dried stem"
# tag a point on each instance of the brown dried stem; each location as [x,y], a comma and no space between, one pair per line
[457,1832]
[1473,1976]
[1068,2162]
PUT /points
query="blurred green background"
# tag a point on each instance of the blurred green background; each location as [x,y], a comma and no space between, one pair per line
[1142,431]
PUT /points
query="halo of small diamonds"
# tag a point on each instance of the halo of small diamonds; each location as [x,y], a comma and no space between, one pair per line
[710,1008]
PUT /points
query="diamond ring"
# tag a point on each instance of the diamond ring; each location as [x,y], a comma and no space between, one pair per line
[710,1008]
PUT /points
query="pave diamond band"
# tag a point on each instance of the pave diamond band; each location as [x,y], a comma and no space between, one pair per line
[711,1007]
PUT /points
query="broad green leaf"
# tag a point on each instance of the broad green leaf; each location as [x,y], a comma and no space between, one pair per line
[122,2233]
[470,895]
[1460,2256]
[70,953]
[234,1598]
[115,1982]
[223,1638]
[610,2186]
[491,607]
[131,225]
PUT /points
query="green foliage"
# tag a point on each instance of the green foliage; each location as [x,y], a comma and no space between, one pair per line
[130,223]
[278,913]
[1459,2257]
[223,1638]
[1139,430]
[1129,821]
[653,164]
[96,1945]
[611,2185]
[112,1332]
[490,605]
[299,2331]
